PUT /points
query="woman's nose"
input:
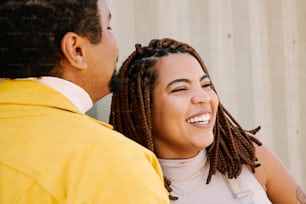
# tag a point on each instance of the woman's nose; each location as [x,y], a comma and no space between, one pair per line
[201,97]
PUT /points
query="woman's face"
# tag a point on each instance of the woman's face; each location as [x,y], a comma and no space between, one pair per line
[184,107]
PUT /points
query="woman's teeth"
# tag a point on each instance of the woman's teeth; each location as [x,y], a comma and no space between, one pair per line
[200,119]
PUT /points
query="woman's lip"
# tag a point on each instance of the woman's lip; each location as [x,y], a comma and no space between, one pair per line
[206,124]
[199,114]
[199,118]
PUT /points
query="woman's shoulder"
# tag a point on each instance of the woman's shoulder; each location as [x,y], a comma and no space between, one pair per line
[275,178]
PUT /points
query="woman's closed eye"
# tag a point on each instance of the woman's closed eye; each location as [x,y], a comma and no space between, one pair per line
[185,88]
[181,88]
[207,85]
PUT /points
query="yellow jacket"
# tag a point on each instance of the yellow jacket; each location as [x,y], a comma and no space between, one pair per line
[52,153]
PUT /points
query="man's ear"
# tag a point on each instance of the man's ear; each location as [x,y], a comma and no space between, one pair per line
[73,50]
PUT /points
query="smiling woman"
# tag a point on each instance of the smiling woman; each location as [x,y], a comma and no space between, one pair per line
[170,105]
[185,103]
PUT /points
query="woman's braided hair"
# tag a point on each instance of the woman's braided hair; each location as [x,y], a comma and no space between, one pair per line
[131,111]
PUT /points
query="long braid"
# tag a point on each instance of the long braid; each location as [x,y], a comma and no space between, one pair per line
[233,146]
[213,153]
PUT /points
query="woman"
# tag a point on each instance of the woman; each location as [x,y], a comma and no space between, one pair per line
[169,105]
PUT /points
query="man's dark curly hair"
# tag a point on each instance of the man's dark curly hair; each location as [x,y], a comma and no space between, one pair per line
[32,30]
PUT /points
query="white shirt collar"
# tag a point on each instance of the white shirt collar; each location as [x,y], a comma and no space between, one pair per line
[76,94]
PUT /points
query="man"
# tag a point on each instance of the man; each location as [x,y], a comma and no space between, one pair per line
[57,58]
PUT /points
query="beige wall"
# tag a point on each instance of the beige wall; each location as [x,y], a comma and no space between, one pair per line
[255,51]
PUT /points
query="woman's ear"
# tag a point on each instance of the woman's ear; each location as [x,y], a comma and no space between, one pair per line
[72,48]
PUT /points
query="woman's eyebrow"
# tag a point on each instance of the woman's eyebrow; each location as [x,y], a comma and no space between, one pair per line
[178,81]
[204,77]
[185,80]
